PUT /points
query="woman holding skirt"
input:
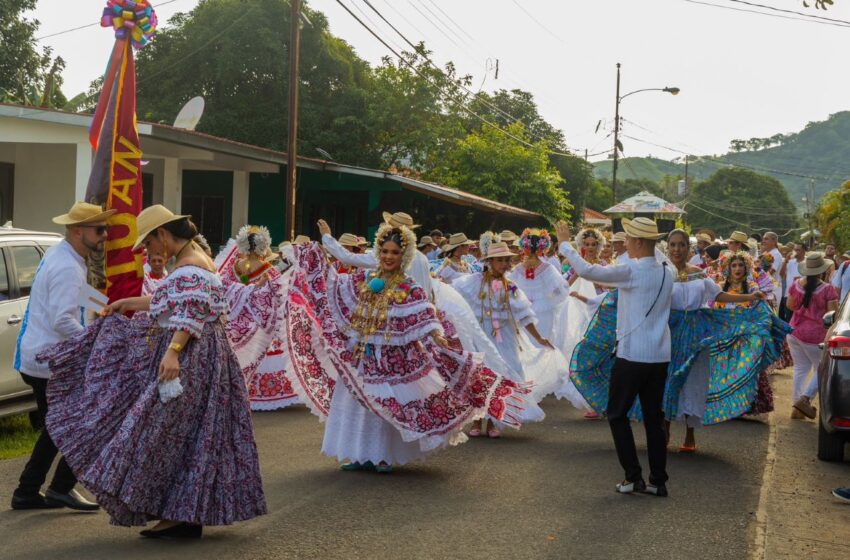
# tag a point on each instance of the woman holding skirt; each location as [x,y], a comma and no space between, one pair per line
[153,418]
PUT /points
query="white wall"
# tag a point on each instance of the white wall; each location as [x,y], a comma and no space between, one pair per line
[44,184]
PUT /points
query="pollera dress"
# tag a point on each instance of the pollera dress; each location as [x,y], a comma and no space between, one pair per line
[738,344]
[191,459]
[255,329]
[505,324]
[394,395]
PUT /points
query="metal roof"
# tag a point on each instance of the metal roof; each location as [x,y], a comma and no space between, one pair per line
[200,140]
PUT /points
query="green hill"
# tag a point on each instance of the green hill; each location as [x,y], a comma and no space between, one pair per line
[819,152]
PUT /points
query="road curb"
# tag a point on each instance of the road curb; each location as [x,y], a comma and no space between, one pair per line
[759,545]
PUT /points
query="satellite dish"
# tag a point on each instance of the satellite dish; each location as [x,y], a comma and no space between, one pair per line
[190,114]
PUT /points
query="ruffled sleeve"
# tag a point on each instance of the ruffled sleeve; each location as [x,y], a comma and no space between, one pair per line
[521,307]
[188,299]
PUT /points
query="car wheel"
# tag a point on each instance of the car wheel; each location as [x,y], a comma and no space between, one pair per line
[830,446]
[35,420]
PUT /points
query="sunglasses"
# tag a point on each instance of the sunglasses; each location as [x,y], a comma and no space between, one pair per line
[100,230]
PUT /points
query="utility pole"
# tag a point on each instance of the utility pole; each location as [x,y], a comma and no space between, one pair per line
[616,140]
[292,138]
[810,198]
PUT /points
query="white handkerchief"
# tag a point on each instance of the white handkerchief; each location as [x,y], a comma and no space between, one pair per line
[170,390]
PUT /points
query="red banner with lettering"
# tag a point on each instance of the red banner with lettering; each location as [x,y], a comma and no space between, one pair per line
[116,178]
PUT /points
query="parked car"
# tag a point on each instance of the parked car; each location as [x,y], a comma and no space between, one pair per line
[834,386]
[21,252]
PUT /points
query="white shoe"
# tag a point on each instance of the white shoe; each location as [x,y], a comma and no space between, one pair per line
[627,487]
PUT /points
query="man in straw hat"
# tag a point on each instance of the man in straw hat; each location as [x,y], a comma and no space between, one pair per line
[618,243]
[426,244]
[643,347]
[703,241]
[737,241]
[53,315]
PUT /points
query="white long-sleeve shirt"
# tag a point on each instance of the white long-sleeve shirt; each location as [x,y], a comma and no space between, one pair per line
[53,312]
[420,269]
[841,280]
[643,305]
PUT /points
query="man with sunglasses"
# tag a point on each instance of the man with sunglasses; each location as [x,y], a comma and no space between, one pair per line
[53,315]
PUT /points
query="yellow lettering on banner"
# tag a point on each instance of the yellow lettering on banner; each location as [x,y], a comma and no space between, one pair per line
[123,158]
[124,193]
[136,265]
[123,219]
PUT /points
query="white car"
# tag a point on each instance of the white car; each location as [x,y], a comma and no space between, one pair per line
[20,254]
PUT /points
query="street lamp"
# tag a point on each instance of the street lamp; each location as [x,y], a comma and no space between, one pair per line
[617,145]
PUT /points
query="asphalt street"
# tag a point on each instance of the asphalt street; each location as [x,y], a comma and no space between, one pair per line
[546,491]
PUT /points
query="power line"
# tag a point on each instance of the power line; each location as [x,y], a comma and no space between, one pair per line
[474,95]
[448,27]
[437,27]
[785,11]
[91,24]
[539,23]
[780,16]
[448,17]
[419,73]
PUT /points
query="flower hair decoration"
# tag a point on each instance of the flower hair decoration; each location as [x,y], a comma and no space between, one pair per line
[254,240]
[408,243]
[727,257]
[535,241]
[487,238]
[590,232]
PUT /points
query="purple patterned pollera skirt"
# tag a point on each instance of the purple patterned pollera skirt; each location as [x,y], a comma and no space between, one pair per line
[192,459]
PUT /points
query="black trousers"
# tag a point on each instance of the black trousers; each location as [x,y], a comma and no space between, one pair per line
[630,380]
[44,452]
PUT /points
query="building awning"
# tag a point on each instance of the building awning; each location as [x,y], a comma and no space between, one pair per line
[227,152]
[596,218]
[644,203]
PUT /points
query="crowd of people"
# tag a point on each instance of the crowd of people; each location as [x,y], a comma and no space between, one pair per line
[402,347]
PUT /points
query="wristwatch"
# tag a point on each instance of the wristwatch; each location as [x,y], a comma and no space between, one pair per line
[176,346]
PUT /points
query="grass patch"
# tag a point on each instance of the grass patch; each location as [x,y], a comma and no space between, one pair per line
[17,436]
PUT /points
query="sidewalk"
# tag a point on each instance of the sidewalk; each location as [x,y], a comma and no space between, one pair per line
[798,516]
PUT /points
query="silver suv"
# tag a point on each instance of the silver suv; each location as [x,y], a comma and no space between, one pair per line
[20,254]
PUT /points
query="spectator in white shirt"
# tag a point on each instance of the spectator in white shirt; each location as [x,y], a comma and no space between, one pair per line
[643,347]
[54,314]
[769,244]
[841,278]
[703,241]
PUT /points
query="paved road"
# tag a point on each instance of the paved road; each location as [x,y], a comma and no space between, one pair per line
[544,492]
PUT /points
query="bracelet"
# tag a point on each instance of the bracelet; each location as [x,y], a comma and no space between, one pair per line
[176,346]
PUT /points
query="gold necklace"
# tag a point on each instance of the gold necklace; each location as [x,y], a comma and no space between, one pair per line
[376,294]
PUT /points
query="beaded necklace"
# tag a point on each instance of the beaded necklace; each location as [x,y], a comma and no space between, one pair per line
[502,304]
[376,294]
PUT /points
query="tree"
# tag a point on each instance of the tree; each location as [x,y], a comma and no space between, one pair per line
[740,199]
[28,76]
[831,216]
[234,54]
[490,164]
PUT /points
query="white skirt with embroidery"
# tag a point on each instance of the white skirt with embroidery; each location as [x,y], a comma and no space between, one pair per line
[355,434]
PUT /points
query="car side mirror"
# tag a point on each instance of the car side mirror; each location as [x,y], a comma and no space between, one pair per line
[829,319]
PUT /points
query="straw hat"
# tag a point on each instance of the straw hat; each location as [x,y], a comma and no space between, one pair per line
[361,241]
[508,236]
[349,240]
[814,264]
[620,236]
[425,240]
[704,237]
[399,219]
[83,213]
[499,249]
[738,236]
[301,240]
[642,228]
[151,218]
[455,241]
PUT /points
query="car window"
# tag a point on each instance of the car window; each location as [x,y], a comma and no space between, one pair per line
[4,279]
[26,263]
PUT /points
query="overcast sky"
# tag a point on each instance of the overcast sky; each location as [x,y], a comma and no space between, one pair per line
[741,74]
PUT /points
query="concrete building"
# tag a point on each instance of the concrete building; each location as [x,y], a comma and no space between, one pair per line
[45,161]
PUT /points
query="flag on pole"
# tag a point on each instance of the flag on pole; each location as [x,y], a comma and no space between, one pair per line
[116,177]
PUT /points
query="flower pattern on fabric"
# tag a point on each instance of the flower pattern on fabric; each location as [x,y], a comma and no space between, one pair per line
[192,459]
[742,343]
[189,298]
[427,392]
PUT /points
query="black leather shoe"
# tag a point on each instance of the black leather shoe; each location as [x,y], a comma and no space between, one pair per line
[179,531]
[32,501]
[72,500]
